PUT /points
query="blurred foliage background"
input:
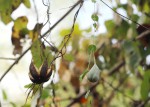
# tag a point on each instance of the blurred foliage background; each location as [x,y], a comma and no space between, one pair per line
[121,55]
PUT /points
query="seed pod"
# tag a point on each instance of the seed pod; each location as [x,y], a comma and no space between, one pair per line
[94,74]
[40,75]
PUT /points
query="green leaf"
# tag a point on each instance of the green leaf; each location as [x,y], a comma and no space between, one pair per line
[40,53]
[95,25]
[37,54]
[45,93]
[91,49]
[6,10]
[83,75]
[64,32]
[19,32]
[145,86]
[94,17]
[110,26]
[28,85]
[134,17]
[27,3]
[4,95]
[132,54]
[121,30]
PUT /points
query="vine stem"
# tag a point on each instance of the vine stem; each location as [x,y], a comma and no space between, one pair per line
[66,14]
[3,58]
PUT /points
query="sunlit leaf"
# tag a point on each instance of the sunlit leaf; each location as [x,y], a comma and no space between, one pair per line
[5,10]
[4,95]
[8,6]
[15,4]
[26,3]
[64,32]
[19,32]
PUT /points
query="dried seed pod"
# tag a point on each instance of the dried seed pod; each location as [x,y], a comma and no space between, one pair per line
[40,75]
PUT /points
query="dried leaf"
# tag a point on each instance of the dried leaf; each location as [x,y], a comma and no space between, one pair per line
[19,31]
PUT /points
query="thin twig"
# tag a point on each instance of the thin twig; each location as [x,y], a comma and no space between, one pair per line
[118,86]
[67,37]
[116,68]
[143,34]
[3,58]
[16,61]
[123,15]
[77,99]
[66,14]
[36,11]
[40,94]
[144,103]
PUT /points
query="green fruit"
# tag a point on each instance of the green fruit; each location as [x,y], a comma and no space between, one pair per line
[93,74]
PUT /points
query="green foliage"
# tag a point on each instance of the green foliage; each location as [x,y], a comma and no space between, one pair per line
[117,44]
[26,3]
[143,5]
[28,85]
[91,49]
[94,1]
[45,93]
[133,56]
[8,6]
[83,74]
[19,31]
[5,11]
[145,86]
[40,53]
[110,26]
[4,95]
[117,31]
[94,17]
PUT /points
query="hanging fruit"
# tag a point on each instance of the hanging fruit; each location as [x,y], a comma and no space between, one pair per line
[40,75]
[94,74]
